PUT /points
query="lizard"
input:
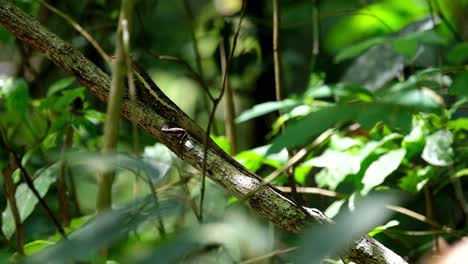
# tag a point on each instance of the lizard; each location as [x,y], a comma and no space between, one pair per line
[179,123]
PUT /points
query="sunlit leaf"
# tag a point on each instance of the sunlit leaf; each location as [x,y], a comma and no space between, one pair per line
[381,168]
[16,94]
[438,149]
[416,178]
[337,166]
[382,228]
[334,208]
[265,108]
[26,201]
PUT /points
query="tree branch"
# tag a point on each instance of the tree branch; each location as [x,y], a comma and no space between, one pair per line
[269,202]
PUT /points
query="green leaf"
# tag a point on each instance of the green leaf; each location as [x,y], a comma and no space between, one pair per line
[458,54]
[381,168]
[35,246]
[26,201]
[106,229]
[300,132]
[16,95]
[337,165]
[382,228]
[68,97]
[460,85]
[416,178]
[265,108]
[406,46]
[414,142]
[355,50]
[438,149]
[60,85]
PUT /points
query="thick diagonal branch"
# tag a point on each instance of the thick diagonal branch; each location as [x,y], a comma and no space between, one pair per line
[269,202]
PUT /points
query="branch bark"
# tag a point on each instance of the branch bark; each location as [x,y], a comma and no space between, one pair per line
[269,202]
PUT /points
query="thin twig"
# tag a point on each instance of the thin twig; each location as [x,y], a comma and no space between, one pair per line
[215,105]
[29,182]
[291,162]
[184,182]
[268,255]
[10,190]
[229,107]
[313,190]
[78,28]
[62,190]
[416,216]
[315,34]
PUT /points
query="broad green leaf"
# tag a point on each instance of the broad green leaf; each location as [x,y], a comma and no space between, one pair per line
[265,108]
[16,94]
[381,168]
[302,131]
[26,201]
[67,98]
[406,46]
[355,50]
[458,124]
[337,165]
[460,85]
[382,228]
[438,149]
[60,85]
[458,54]
[416,178]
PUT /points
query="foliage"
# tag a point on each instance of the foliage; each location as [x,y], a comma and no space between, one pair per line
[380,113]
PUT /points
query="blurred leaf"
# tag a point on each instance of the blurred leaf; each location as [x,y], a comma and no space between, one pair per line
[104,230]
[152,165]
[160,158]
[382,228]
[26,201]
[460,84]
[458,124]
[458,54]
[438,149]
[265,108]
[357,49]
[222,142]
[320,241]
[406,46]
[60,85]
[16,94]
[381,168]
